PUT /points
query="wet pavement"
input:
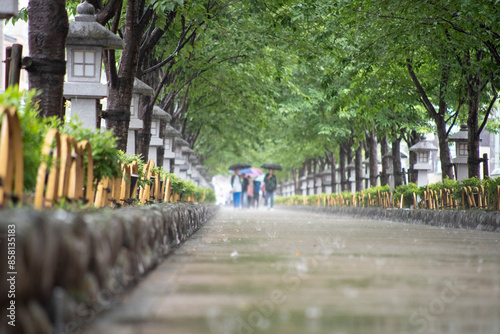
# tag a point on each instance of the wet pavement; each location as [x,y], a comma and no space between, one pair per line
[259,271]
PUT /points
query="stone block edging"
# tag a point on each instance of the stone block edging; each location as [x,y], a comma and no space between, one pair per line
[70,266]
[465,219]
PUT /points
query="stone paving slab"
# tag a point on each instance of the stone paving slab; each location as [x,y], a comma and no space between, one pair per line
[259,271]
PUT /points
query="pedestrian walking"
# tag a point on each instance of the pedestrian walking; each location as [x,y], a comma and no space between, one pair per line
[256,190]
[236,187]
[250,192]
[270,186]
[244,192]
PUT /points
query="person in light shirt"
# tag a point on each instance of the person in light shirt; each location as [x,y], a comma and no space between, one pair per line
[236,187]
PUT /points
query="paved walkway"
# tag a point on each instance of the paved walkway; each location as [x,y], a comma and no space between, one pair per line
[292,272]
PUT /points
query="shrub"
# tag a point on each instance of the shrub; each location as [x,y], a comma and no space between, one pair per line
[407,190]
[104,152]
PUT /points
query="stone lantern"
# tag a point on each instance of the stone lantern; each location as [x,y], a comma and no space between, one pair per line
[180,166]
[318,183]
[84,45]
[140,89]
[423,149]
[303,185]
[310,185]
[390,171]
[168,145]
[351,171]
[187,153]
[462,154]
[8,9]
[326,177]
[291,188]
[156,141]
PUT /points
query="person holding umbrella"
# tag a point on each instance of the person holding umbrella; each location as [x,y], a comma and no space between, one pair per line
[236,188]
[270,183]
[237,183]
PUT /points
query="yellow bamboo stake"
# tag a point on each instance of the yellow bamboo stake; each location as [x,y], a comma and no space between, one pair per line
[125,184]
[45,193]
[11,157]
[168,190]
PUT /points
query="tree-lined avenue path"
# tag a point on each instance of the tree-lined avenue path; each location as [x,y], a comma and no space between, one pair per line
[259,271]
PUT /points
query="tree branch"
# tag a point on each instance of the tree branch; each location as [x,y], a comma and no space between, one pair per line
[488,111]
[425,99]
[108,12]
[180,45]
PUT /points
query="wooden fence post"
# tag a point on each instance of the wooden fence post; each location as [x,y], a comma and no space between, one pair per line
[86,149]
[11,157]
[45,193]
[167,190]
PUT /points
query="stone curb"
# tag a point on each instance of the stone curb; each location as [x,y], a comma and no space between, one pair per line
[463,219]
[71,266]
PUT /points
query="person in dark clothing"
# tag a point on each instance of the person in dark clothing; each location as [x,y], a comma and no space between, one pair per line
[270,185]
[244,192]
[250,192]
[256,189]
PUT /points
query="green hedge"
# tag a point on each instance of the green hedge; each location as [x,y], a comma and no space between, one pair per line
[407,191]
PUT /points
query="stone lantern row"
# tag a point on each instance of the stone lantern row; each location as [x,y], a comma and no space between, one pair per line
[84,45]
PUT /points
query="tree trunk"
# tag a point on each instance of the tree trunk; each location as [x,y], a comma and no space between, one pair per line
[371,141]
[294,178]
[302,172]
[120,89]
[48,27]
[396,162]
[414,138]
[358,163]
[144,134]
[444,149]
[439,117]
[342,172]
[474,83]
[473,143]
[384,149]
[331,160]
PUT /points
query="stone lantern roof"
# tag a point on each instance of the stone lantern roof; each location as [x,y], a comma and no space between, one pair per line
[141,88]
[389,155]
[187,150]
[460,136]
[159,113]
[367,161]
[172,132]
[9,9]
[179,142]
[423,146]
[85,31]
[351,165]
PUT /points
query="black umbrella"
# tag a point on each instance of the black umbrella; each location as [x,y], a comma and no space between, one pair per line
[239,166]
[271,166]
